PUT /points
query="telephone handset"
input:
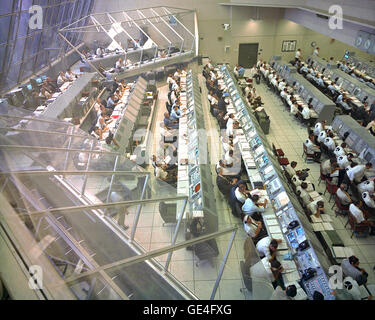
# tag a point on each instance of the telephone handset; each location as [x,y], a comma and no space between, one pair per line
[303,245]
[293,224]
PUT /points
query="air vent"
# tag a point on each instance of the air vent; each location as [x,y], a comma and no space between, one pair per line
[321,16]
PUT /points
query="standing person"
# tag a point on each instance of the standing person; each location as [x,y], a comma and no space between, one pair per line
[298,56]
[267,247]
[316,52]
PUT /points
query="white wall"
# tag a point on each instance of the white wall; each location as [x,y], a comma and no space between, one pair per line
[269,32]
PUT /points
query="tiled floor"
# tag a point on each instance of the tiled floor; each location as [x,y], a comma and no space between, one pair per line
[288,133]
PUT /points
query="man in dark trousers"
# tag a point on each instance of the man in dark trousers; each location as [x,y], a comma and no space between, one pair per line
[224,184]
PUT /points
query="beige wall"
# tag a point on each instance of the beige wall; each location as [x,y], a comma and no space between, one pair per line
[269,32]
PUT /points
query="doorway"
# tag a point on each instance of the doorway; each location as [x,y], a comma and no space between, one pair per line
[248,54]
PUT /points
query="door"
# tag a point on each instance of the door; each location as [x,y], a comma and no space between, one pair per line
[248,54]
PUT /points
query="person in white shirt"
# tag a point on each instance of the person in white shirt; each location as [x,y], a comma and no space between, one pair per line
[266,73]
[322,136]
[316,52]
[356,212]
[283,93]
[316,207]
[306,112]
[99,51]
[356,173]
[298,55]
[293,108]
[312,148]
[327,166]
[170,79]
[252,206]
[290,169]
[340,150]
[318,128]
[69,75]
[228,159]
[226,145]
[343,195]
[368,199]
[252,227]
[241,193]
[366,186]
[343,162]
[267,247]
[302,192]
[230,122]
[119,64]
[329,143]
[61,79]
[281,85]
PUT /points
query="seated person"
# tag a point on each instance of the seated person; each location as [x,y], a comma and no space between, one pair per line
[360,216]
[357,172]
[224,184]
[290,169]
[316,208]
[340,150]
[367,185]
[241,193]
[313,148]
[168,123]
[252,206]
[322,136]
[112,102]
[287,294]
[61,79]
[304,194]
[70,76]
[120,64]
[162,174]
[294,109]
[368,199]
[229,159]
[297,180]
[344,196]
[350,268]
[253,228]
[175,114]
[306,112]
[267,247]
[329,142]
[344,161]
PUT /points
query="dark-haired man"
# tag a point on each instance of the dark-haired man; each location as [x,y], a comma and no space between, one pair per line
[267,247]
[287,294]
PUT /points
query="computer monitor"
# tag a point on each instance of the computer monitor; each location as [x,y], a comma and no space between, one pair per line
[281,200]
[368,157]
[39,80]
[259,151]
[357,92]
[29,87]
[274,186]
[44,77]
[346,56]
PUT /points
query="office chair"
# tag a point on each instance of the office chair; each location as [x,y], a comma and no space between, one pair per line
[358,229]
[331,188]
